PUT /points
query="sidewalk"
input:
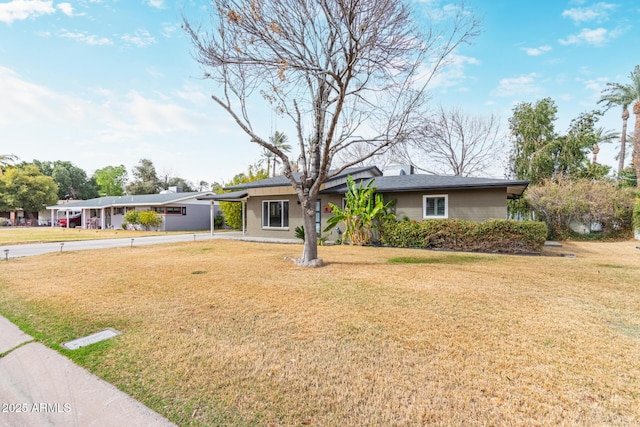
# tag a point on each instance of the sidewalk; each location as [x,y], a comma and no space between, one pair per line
[40,387]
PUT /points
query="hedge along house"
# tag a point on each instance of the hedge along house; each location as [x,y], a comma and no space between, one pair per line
[271,208]
[179,211]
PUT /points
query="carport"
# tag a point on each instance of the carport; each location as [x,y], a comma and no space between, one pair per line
[235,196]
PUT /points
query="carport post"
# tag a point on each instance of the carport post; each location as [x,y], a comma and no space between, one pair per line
[212,218]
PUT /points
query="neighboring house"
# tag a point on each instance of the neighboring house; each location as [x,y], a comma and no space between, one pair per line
[180,211]
[271,207]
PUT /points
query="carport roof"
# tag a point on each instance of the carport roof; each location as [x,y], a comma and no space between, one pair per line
[234,196]
[137,200]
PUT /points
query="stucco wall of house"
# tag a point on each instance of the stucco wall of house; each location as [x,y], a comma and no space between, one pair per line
[197,218]
[471,205]
[254,216]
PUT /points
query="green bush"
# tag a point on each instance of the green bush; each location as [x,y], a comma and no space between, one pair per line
[132,217]
[150,219]
[232,212]
[218,221]
[565,202]
[497,235]
[636,216]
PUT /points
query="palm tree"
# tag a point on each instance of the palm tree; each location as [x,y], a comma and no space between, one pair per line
[635,84]
[601,136]
[265,157]
[622,95]
[279,140]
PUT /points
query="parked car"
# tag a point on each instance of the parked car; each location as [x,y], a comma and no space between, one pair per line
[75,220]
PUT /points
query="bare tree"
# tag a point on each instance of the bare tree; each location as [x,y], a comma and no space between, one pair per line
[343,71]
[453,142]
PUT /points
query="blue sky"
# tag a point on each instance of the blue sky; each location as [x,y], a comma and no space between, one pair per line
[108,82]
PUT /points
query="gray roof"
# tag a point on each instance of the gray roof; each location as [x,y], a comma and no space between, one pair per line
[137,200]
[421,182]
[283,181]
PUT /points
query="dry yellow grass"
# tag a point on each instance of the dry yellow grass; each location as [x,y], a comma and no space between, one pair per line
[18,235]
[230,333]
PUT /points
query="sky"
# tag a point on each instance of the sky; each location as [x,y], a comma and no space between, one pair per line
[109,82]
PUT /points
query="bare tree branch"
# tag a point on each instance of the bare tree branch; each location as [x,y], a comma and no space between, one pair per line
[344,72]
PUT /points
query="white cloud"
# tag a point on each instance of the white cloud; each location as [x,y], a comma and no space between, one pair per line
[141,38]
[18,10]
[84,38]
[65,8]
[536,51]
[159,4]
[595,37]
[451,75]
[598,12]
[517,86]
[168,29]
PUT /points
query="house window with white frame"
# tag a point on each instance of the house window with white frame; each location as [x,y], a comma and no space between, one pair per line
[275,214]
[435,206]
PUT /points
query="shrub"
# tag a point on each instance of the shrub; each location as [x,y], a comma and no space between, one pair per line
[583,201]
[4,222]
[218,221]
[232,212]
[636,216]
[150,219]
[498,235]
[132,217]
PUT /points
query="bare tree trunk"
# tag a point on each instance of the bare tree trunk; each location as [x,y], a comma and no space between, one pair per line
[310,252]
[636,142]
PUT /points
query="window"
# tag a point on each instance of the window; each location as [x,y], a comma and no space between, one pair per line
[318,215]
[436,206]
[118,211]
[275,214]
[172,210]
[159,210]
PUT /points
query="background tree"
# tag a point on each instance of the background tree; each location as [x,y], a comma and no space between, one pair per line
[602,136]
[6,160]
[342,71]
[452,142]
[533,132]
[635,84]
[72,181]
[279,140]
[27,188]
[539,153]
[111,180]
[232,211]
[621,95]
[145,179]
[266,158]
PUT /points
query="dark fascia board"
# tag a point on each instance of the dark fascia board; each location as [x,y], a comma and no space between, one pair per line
[514,188]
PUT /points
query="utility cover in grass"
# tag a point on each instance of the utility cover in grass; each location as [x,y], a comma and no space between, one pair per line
[91,339]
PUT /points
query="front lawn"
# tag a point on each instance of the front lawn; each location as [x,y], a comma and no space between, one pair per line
[231,333]
[19,235]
